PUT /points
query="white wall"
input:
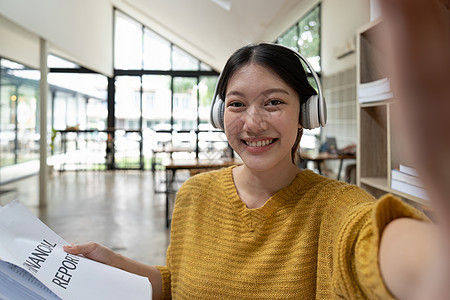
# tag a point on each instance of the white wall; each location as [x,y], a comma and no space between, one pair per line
[340,20]
[18,44]
[81,28]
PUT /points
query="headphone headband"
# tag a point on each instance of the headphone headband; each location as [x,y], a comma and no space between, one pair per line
[313,112]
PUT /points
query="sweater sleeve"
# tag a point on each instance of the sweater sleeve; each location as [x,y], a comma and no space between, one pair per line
[166,278]
[356,272]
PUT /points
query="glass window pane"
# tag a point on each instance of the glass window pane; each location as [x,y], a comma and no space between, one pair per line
[72,92]
[156,51]
[72,107]
[90,85]
[156,112]
[127,43]
[185,103]
[18,73]
[127,102]
[205,67]
[69,110]
[60,111]
[309,40]
[19,131]
[8,102]
[54,61]
[81,111]
[211,142]
[183,61]
[156,100]
[96,114]
[289,39]
[206,88]
[28,137]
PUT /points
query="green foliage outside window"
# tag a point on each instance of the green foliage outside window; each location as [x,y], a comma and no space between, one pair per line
[309,39]
[305,37]
[207,94]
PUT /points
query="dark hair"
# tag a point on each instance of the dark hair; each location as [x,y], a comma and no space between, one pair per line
[281,60]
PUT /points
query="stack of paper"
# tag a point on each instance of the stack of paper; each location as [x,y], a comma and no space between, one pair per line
[33,265]
[373,91]
[406,180]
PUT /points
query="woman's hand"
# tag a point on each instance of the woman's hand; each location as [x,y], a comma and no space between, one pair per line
[418,36]
[105,255]
[94,251]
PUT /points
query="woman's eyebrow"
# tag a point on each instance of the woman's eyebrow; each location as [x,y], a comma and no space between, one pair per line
[273,91]
[265,92]
[235,93]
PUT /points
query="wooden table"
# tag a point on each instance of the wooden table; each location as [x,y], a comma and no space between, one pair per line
[319,158]
[170,150]
[173,165]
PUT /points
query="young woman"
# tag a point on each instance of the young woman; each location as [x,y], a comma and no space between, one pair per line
[267,230]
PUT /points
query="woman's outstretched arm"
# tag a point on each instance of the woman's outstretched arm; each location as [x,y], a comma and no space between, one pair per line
[415,256]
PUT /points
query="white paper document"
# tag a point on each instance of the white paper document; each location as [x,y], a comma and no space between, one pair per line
[33,265]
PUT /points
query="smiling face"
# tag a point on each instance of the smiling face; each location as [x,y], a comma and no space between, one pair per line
[261,118]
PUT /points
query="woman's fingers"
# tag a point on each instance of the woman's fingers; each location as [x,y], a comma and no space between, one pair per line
[93,251]
[81,248]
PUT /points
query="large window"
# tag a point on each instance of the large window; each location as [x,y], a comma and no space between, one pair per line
[77,118]
[19,130]
[137,47]
[304,36]
[163,92]
[76,102]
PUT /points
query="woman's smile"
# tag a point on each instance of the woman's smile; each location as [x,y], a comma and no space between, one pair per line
[258,145]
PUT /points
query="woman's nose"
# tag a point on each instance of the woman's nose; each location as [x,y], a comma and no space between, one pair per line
[255,120]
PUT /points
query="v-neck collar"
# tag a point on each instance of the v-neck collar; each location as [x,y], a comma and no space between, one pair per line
[254,216]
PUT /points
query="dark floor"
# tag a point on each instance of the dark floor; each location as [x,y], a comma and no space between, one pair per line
[116,208]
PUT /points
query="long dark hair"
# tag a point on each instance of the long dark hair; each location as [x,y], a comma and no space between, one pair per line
[282,60]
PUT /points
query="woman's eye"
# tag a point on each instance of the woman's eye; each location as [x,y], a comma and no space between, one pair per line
[274,102]
[235,104]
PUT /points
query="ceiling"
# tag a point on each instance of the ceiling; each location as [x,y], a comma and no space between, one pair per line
[211,32]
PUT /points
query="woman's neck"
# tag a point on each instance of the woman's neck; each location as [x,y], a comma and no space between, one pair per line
[256,187]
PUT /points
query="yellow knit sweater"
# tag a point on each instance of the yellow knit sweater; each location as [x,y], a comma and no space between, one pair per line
[315,239]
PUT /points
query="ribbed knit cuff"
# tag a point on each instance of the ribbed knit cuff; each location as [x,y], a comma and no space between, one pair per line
[387,209]
[166,282]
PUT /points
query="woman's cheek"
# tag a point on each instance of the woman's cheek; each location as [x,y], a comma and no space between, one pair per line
[233,128]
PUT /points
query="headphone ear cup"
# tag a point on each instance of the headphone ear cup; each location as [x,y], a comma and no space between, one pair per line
[217,111]
[322,111]
[304,117]
[309,117]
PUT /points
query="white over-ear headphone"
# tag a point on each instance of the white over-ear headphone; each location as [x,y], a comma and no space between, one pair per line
[313,112]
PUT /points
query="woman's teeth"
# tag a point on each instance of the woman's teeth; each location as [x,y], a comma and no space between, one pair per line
[259,143]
